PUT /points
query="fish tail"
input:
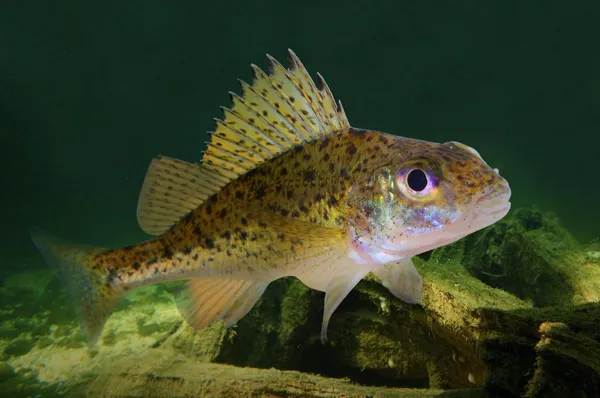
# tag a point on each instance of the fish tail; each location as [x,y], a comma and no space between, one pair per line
[94,299]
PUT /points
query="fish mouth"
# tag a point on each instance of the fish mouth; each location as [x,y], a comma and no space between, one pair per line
[491,206]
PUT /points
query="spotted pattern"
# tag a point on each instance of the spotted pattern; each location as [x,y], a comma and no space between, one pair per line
[242,228]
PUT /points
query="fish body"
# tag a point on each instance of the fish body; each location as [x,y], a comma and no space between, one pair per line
[286,188]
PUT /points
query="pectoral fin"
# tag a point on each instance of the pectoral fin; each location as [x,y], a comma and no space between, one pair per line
[402,279]
[337,289]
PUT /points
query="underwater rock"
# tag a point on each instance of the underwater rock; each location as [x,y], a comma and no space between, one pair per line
[203,345]
[9,332]
[6,372]
[161,373]
[530,255]
[20,346]
[148,328]
[44,341]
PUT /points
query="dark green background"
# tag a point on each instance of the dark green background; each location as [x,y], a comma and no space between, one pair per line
[91,91]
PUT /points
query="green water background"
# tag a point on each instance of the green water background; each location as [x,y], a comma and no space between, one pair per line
[90,92]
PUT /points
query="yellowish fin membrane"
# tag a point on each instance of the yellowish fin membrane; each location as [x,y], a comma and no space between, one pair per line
[213,299]
[93,297]
[402,279]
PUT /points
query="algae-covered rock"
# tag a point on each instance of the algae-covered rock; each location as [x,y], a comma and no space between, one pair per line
[161,373]
[530,255]
[6,371]
[20,346]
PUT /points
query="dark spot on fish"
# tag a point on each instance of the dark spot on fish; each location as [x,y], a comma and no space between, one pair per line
[278,188]
[208,209]
[136,266]
[196,230]
[326,157]
[226,235]
[309,176]
[280,236]
[244,221]
[209,243]
[239,195]
[283,171]
[289,194]
[153,260]
[332,201]
[223,213]
[324,144]
[188,217]
[319,197]
[351,149]
[383,139]
[296,214]
[195,257]
[110,278]
[344,173]
[284,212]
[357,132]
[243,235]
[298,148]
[331,167]
[260,193]
[228,252]
[167,252]
[306,157]
[296,165]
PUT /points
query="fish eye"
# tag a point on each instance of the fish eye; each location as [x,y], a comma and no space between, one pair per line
[417,180]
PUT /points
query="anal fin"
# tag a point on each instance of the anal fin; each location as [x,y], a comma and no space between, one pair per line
[213,299]
[402,279]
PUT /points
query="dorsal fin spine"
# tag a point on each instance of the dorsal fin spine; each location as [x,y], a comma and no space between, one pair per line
[296,67]
[244,137]
[283,134]
[246,153]
[275,67]
[240,159]
[240,101]
[314,107]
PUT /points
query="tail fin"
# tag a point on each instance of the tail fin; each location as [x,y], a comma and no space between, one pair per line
[94,298]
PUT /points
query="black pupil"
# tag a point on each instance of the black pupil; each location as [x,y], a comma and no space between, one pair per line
[417,180]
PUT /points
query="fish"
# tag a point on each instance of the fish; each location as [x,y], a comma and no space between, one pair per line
[285,187]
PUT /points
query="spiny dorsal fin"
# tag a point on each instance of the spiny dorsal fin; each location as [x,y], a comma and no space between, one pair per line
[172,188]
[277,112]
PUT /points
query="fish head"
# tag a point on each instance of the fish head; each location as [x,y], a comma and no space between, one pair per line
[428,196]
